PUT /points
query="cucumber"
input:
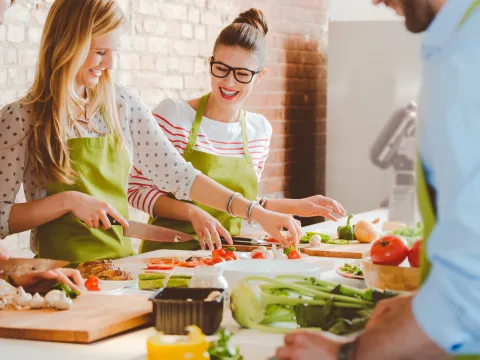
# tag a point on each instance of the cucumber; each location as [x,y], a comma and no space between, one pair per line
[338,242]
[153,276]
[158,283]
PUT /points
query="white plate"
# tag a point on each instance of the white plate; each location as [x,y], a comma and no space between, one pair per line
[234,271]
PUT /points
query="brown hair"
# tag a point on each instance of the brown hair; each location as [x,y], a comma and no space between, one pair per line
[247,31]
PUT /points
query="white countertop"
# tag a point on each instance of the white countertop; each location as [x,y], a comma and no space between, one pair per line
[132,345]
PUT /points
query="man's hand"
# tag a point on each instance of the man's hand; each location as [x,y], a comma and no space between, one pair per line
[305,345]
[43,281]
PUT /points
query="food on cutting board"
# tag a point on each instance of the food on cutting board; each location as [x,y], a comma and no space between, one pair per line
[150,281]
[275,253]
[60,297]
[104,270]
[365,232]
[93,284]
[346,232]
[218,255]
[389,250]
[262,303]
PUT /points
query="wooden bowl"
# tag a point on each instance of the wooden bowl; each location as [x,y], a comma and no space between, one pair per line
[396,278]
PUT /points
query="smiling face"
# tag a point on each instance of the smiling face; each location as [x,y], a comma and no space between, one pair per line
[100,58]
[418,13]
[228,91]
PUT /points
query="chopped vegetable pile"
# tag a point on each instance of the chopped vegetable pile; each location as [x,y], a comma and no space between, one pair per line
[260,303]
[352,269]
[222,349]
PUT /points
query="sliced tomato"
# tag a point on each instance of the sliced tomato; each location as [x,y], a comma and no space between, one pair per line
[192,264]
[228,258]
[230,254]
[258,255]
[165,266]
[218,253]
[294,254]
[208,262]
[218,260]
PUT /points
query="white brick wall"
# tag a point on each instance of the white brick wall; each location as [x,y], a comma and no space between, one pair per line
[163,53]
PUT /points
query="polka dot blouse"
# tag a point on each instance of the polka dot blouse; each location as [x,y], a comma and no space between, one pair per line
[150,152]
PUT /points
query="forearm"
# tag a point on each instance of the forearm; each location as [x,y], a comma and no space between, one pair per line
[166,207]
[208,192]
[284,206]
[26,216]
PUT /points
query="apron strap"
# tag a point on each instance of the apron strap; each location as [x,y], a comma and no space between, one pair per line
[192,139]
[243,124]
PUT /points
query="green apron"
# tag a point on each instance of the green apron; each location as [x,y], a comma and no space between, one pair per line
[236,173]
[103,171]
[427,201]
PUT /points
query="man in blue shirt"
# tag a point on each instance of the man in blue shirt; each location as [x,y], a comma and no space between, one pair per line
[443,318]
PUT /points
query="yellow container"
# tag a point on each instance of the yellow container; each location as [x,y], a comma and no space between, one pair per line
[192,347]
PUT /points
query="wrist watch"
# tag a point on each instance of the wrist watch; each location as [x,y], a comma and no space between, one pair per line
[346,351]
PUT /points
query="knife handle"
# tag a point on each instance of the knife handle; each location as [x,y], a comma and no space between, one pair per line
[112,220]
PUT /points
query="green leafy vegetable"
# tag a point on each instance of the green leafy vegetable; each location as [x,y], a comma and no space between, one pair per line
[222,349]
[308,235]
[352,269]
[411,234]
[259,302]
[72,294]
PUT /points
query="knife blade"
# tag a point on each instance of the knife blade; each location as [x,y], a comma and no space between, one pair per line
[21,266]
[144,231]
[247,241]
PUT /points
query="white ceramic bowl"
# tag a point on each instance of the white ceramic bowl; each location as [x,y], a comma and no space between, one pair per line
[235,271]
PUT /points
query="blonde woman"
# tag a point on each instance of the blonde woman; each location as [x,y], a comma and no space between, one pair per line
[222,140]
[73,140]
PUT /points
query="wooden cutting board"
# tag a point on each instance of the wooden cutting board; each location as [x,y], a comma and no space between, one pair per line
[354,250]
[92,317]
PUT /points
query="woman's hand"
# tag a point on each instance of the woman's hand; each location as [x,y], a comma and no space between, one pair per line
[206,227]
[318,205]
[43,281]
[273,223]
[93,212]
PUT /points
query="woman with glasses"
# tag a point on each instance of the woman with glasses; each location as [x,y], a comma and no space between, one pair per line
[223,141]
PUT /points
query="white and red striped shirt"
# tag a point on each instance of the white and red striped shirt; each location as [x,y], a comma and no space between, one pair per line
[175,118]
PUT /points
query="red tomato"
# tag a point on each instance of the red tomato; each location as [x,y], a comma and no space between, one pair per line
[414,254]
[93,283]
[230,254]
[258,255]
[218,253]
[218,260]
[294,254]
[207,262]
[160,266]
[273,240]
[389,250]
[228,258]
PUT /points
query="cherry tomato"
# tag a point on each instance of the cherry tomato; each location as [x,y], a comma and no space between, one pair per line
[93,283]
[230,254]
[228,258]
[192,264]
[273,240]
[259,255]
[208,262]
[389,250]
[414,254]
[218,260]
[294,254]
[218,253]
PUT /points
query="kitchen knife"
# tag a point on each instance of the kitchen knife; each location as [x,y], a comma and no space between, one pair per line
[21,266]
[144,231]
[247,241]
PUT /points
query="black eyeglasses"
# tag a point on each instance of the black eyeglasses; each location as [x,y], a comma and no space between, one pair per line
[242,75]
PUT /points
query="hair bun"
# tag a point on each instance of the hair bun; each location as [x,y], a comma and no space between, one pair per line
[254,18]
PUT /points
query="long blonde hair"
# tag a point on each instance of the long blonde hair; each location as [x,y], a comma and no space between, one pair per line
[66,39]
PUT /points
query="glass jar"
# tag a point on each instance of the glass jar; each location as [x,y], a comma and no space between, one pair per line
[208,277]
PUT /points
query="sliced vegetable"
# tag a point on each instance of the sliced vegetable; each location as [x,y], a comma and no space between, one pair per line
[222,349]
[160,266]
[339,242]
[258,255]
[352,269]
[218,260]
[218,253]
[72,294]
[309,234]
